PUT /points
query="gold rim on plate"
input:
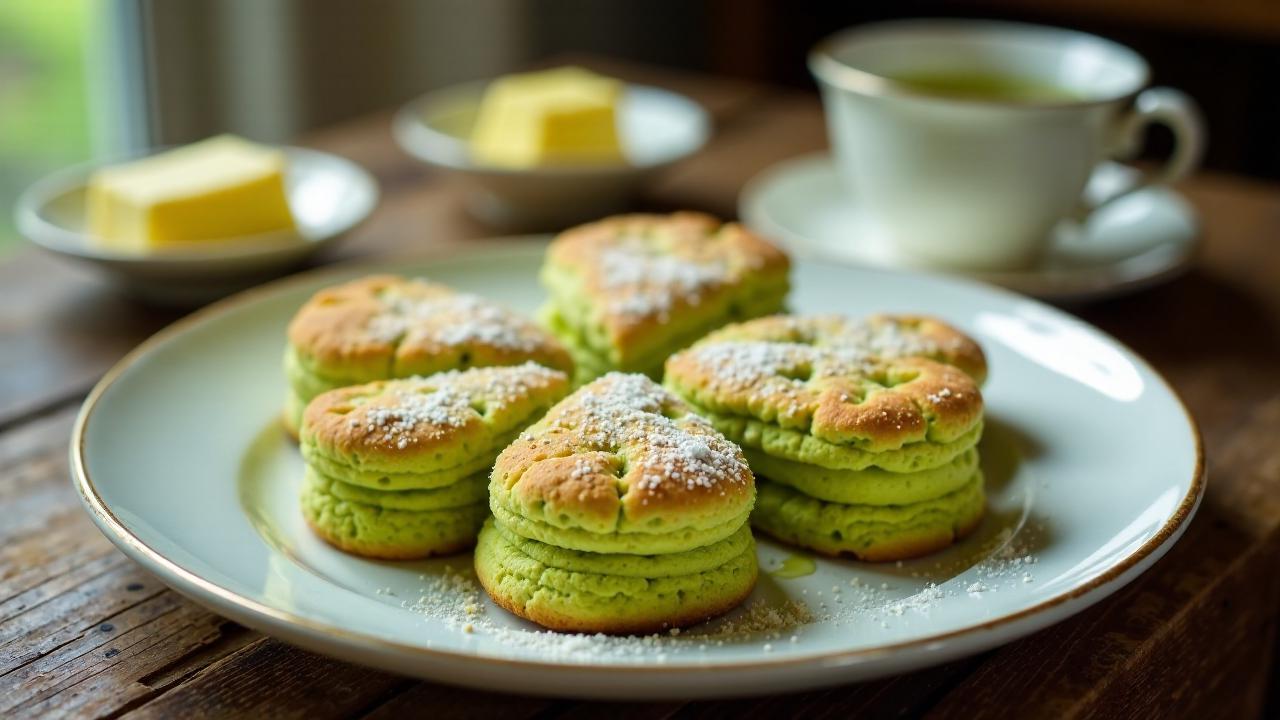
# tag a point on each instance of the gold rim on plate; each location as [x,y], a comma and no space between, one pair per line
[119,534]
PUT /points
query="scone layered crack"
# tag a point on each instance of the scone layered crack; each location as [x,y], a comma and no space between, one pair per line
[620,511]
[385,326]
[398,468]
[839,399]
[628,291]
[855,452]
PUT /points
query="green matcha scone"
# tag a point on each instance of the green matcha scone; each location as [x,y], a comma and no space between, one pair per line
[627,291]
[384,326]
[398,469]
[621,511]
[854,454]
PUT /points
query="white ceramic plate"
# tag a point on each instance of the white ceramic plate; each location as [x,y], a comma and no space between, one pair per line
[657,127]
[1093,466]
[327,194]
[1133,243]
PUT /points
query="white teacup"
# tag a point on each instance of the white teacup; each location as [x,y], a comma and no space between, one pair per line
[979,184]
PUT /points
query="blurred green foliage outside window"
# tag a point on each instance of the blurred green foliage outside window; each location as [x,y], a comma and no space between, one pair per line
[44,118]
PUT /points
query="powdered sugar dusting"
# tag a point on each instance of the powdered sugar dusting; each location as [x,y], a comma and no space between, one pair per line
[397,424]
[630,412]
[887,338]
[744,364]
[642,281]
[1005,568]
[885,335]
[764,618]
[410,410]
[779,377]
[774,372]
[456,599]
[452,319]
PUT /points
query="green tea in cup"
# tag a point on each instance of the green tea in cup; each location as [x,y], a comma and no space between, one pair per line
[992,87]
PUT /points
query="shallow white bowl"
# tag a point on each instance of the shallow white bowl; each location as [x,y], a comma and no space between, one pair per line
[1093,470]
[657,128]
[327,194]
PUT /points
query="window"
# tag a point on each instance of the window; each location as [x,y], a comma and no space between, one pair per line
[44,119]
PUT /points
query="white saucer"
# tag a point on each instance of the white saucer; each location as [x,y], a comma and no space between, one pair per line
[328,195]
[1133,243]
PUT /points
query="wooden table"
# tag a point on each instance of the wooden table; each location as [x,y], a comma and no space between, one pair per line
[85,631]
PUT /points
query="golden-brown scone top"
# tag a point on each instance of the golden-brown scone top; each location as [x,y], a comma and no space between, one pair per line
[836,394]
[622,453]
[426,423]
[413,327]
[640,270]
[880,335]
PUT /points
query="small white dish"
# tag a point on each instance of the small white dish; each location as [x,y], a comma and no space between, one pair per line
[1093,471]
[657,128]
[1132,243]
[328,195]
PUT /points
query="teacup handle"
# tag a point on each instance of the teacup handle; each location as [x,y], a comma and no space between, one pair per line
[1173,109]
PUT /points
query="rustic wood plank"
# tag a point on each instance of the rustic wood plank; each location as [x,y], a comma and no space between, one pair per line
[122,632]
[36,571]
[443,701]
[621,711]
[367,140]
[903,695]
[425,217]
[27,457]
[83,630]
[68,617]
[271,679]
[109,689]
[777,128]
[1235,622]
[1169,644]
[60,327]
[39,435]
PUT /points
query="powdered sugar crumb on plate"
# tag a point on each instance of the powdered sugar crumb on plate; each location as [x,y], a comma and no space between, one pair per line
[771,624]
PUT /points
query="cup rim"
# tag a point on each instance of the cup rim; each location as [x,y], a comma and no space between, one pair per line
[837,74]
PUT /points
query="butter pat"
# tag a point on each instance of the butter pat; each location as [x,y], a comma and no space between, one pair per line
[219,188]
[566,116]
